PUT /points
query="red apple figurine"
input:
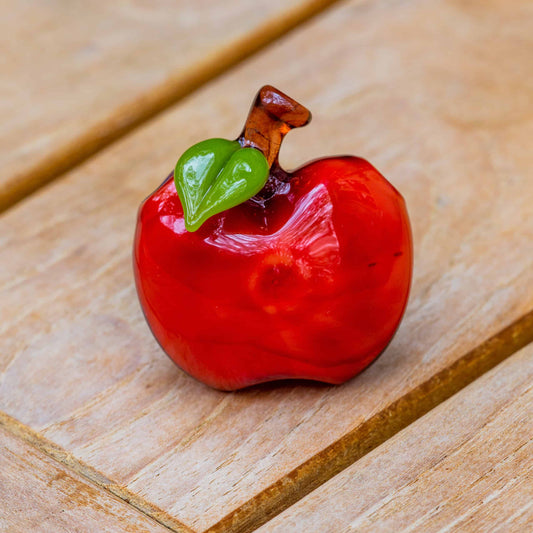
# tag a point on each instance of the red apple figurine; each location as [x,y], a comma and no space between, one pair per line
[247,273]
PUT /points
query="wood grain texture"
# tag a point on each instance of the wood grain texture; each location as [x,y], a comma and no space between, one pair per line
[40,495]
[77,76]
[466,466]
[426,106]
[74,465]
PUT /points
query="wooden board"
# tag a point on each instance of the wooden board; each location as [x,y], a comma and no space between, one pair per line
[40,495]
[425,104]
[465,466]
[76,76]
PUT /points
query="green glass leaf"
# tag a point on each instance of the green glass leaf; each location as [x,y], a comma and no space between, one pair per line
[215,175]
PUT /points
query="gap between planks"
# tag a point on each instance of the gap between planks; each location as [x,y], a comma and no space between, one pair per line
[132,114]
[330,461]
[377,429]
[65,458]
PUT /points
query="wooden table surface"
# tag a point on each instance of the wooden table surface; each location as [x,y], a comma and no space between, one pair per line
[99,431]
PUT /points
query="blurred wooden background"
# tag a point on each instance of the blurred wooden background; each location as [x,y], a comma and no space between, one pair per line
[100,432]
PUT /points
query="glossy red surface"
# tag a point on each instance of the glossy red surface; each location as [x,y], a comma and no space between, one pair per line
[310,284]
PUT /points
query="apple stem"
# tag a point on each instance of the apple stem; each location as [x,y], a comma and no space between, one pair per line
[272,116]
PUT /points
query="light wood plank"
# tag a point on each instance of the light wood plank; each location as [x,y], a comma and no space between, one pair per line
[77,75]
[426,105]
[38,494]
[465,466]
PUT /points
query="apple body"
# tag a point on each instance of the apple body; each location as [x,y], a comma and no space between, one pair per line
[310,284]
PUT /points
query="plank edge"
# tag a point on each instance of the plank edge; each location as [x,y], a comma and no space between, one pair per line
[67,460]
[133,114]
[375,431]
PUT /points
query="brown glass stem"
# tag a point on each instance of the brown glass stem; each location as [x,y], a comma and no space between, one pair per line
[272,116]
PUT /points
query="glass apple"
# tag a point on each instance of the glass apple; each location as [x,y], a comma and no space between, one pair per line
[247,273]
